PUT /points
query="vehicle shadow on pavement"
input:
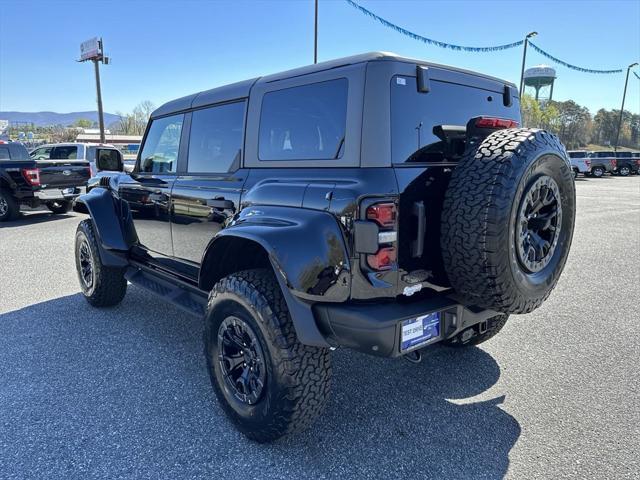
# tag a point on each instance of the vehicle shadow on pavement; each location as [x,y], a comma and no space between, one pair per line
[33,218]
[124,392]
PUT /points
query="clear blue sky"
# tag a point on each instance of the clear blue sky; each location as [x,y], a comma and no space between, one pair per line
[165,49]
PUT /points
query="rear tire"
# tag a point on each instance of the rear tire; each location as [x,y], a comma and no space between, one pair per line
[624,171]
[59,207]
[9,206]
[101,285]
[472,336]
[508,219]
[267,382]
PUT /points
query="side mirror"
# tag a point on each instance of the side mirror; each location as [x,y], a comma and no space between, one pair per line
[109,159]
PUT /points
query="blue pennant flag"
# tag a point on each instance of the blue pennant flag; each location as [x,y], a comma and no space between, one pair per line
[430,41]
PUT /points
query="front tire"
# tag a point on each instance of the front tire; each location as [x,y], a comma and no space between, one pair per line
[59,206]
[597,172]
[9,207]
[624,171]
[267,382]
[101,285]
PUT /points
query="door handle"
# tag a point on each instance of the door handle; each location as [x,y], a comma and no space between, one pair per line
[220,203]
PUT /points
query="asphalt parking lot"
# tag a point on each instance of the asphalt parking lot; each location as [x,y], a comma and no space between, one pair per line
[123,393]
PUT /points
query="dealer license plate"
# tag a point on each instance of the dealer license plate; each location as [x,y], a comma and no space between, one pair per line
[420,331]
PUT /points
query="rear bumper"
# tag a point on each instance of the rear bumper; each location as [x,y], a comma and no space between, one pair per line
[375,328]
[53,194]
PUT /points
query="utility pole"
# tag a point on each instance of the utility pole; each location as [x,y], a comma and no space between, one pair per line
[93,50]
[624,94]
[315,36]
[524,58]
[99,93]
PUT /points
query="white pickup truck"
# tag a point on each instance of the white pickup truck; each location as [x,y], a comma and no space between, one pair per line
[580,162]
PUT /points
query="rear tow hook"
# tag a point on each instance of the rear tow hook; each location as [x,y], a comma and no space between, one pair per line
[413,357]
[482,327]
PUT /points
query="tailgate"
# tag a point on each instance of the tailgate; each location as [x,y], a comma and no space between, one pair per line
[63,173]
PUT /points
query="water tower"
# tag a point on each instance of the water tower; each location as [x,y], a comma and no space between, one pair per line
[541,78]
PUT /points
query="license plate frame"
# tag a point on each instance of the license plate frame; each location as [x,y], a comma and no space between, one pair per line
[420,331]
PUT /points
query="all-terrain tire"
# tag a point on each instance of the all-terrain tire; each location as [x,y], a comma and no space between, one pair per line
[297,377]
[59,207]
[482,212]
[472,336]
[9,206]
[104,286]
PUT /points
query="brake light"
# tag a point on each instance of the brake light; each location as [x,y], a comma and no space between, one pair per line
[614,163]
[32,176]
[497,123]
[587,163]
[384,214]
[383,259]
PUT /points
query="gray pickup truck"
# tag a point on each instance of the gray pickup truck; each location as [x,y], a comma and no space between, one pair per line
[603,162]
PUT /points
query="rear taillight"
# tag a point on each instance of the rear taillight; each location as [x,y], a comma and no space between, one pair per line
[587,163]
[91,172]
[384,259]
[32,176]
[614,163]
[497,123]
[384,214]
[638,162]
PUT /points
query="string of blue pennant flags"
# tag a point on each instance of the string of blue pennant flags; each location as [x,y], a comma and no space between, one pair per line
[568,65]
[430,41]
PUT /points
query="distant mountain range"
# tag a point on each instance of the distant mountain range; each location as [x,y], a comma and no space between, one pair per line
[43,119]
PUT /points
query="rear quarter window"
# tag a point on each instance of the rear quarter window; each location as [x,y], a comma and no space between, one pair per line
[414,114]
[304,123]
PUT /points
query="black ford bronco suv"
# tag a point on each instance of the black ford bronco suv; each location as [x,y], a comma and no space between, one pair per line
[373,202]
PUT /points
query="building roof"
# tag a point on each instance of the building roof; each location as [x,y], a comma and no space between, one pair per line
[109,138]
[241,89]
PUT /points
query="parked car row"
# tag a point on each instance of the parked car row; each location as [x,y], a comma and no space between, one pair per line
[596,164]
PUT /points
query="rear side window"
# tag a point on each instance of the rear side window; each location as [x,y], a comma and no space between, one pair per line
[64,153]
[414,114]
[604,154]
[215,142]
[160,151]
[304,123]
[42,153]
[4,153]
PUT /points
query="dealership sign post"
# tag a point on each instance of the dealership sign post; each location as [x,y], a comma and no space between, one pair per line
[92,50]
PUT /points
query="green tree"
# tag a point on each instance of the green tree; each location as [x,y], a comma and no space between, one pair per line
[82,123]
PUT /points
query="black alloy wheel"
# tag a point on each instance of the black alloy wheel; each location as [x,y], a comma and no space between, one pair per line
[85,264]
[539,221]
[241,360]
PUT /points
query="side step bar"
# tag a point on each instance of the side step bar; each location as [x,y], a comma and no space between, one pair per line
[180,294]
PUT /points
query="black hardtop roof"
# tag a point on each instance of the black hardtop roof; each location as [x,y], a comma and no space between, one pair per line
[238,90]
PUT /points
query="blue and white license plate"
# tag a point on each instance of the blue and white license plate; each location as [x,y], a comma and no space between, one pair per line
[420,331]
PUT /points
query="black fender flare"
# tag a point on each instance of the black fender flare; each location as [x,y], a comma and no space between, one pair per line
[112,221]
[307,252]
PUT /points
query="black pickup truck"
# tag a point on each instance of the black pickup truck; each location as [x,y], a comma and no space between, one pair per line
[24,181]
[374,202]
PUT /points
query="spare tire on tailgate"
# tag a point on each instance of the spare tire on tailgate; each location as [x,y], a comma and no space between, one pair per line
[507,220]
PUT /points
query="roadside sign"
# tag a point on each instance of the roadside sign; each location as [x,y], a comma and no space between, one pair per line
[90,49]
